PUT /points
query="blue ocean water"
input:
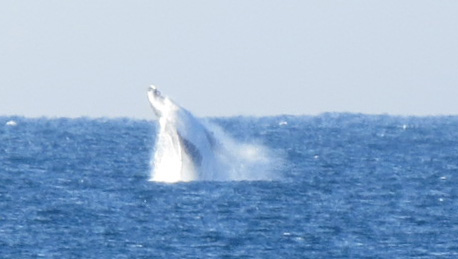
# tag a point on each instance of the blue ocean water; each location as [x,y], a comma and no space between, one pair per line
[350,185]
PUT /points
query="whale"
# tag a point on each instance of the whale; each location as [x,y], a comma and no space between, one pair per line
[185,147]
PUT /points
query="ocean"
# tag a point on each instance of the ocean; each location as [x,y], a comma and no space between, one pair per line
[340,185]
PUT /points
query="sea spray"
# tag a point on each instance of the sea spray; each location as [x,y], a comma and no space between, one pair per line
[239,161]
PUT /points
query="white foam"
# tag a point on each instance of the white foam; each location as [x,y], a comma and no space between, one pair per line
[11,123]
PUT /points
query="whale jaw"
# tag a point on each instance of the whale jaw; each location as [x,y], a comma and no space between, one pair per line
[157,101]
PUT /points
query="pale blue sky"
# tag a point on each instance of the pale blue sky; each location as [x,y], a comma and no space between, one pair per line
[223,58]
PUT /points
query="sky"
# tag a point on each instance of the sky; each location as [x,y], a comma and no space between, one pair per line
[226,58]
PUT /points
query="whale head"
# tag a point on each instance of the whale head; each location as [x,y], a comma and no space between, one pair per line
[159,103]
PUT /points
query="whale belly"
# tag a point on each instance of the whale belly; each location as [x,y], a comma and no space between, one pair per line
[173,160]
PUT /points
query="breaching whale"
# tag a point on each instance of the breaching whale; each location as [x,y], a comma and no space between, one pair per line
[184,149]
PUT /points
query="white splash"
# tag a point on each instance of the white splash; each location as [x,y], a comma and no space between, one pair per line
[11,123]
[189,149]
